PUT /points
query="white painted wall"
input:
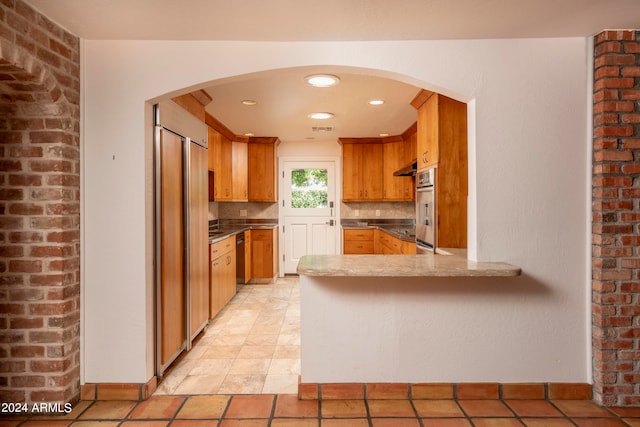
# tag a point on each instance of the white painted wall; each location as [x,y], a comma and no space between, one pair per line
[530,150]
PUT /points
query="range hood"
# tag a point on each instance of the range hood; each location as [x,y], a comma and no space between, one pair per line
[408,170]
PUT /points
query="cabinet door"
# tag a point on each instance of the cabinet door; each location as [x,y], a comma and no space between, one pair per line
[351,173]
[396,155]
[262,254]
[262,179]
[371,178]
[229,282]
[239,171]
[428,132]
[215,292]
[221,151]
[248,271]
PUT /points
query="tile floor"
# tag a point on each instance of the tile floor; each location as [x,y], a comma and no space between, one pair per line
[285,410]
[251,347]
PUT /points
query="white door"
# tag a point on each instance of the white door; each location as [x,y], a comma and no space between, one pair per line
[309,211]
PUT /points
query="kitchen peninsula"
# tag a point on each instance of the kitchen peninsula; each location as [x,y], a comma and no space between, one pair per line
[399,318]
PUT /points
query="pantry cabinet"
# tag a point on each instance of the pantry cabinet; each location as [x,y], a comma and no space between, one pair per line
[264,258]
[222,274]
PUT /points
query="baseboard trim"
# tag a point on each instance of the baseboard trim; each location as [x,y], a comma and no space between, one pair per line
[118,391]
[461,391]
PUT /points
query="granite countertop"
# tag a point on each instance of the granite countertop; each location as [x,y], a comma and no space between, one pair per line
[402,229]
[424,265]
[222,231]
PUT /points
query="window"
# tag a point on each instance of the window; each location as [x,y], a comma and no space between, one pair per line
[309,188]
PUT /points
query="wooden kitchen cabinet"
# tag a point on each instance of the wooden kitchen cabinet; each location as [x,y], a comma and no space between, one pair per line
[442,128]
[264,255]
[386,243]
[358,241]
[239,173]
[262,179]
[362,172]
[220,161]
[248,270]
[222,274]
[396,155]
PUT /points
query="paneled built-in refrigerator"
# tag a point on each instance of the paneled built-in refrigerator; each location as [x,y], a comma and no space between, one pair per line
[181,231]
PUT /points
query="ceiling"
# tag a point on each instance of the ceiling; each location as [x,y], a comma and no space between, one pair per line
[284,100]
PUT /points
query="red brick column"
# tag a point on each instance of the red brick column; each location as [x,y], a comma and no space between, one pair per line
[39,208]
[616,218]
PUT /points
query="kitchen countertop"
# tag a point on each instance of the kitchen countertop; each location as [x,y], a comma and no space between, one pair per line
[228,230]
[443,264]
[402,229]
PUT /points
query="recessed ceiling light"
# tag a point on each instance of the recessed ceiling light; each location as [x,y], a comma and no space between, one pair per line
[384,134]
[249,102]
[376,102]
[320,116]
[249,134]
[322,80]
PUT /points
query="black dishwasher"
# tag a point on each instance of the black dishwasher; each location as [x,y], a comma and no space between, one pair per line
[240,258]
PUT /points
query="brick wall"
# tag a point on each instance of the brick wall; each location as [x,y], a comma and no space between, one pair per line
[616,218]
[39,208]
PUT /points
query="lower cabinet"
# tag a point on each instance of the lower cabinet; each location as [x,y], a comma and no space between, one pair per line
[359,241]
[264,258]
[223,274]
[370,241]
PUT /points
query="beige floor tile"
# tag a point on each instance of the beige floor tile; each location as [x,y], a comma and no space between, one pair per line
[284,367]
[212,367]
[281,384]
[242,384]
[287,352]
[261,339]
[221,351]
[256,351]
[250,366]
[200,384]
[289,339]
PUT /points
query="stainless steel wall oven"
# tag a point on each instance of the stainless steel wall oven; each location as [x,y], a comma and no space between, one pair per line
[425,211]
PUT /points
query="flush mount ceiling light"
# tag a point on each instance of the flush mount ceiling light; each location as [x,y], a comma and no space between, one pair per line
[376,102]
[322,80]
[249,102]
[320,116]
[249,134]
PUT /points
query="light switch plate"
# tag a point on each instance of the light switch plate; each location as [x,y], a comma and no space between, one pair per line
[377,212]
[243,212]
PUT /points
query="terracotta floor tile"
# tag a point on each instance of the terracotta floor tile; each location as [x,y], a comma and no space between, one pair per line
[438,408]
[496,422]
[144,423]
[343,409]
[390,408]
[598,422]
[291,406]
[445,422]
[191,423]
[361,422]
[158,407]
[208,406]
[47,423]
[547,422]
[581,408]
[395,422]
[90,424]
[533,408]
[633,422]
[295,422]
[244,423]
[485,408]
[250,406]
[108,410]
[631,412]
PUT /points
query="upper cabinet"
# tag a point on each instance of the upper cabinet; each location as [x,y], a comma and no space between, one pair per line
[361,171]
[220,162]
[442,129]
[262,166]
[239,172]
[368,166]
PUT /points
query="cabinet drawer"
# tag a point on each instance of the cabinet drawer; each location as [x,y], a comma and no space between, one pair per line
[218,248]
[358,247]
[358,235]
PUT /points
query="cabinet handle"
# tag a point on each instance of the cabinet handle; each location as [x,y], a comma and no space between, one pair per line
[424,157]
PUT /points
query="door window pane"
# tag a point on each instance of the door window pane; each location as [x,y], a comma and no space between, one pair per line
[309,188]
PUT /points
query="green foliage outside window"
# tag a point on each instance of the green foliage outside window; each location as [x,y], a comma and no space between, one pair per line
[309,188]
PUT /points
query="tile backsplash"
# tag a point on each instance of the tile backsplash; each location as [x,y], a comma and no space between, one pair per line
[386,210]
